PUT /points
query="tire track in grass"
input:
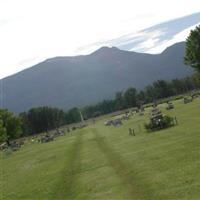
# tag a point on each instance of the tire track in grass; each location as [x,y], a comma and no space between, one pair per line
[121,169]
[69,186]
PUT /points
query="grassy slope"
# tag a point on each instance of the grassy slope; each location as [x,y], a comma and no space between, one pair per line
[101,162]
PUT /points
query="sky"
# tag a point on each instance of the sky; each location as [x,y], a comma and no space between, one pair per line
[34,30]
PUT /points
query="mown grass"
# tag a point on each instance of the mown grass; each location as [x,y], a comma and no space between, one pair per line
[100,162]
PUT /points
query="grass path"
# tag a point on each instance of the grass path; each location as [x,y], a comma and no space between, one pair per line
[121,168]
[69,182]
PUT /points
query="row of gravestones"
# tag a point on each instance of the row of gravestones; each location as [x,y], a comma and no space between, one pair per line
[13,145]
[118,121]
[17,144]
[114,122]
[48,138]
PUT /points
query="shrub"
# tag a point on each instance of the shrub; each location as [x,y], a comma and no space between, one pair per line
[162,123]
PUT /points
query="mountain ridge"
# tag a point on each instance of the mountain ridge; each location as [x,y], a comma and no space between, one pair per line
[66,82]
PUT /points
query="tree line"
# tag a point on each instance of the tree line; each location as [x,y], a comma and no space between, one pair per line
[44,119]
[132,98]
[34,121]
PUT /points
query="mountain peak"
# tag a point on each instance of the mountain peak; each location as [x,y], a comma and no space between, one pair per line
[105,50]
[174,47]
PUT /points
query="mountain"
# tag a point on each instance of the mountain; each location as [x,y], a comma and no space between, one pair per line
[81,80]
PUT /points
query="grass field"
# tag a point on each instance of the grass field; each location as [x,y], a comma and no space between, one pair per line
[99,162]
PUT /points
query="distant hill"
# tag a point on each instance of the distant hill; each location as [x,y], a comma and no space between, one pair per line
[81,80]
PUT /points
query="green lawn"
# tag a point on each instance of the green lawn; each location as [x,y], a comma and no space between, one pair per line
[100,162]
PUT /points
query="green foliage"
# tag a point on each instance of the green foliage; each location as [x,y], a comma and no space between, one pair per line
[130,97]
[104,107]
[3,135]
[119,98]
[165,122]
[10,126]
[42,119]
[72,116]
[162,89]
[192,52]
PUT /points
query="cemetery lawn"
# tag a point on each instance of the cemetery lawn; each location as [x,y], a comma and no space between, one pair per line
[99,162]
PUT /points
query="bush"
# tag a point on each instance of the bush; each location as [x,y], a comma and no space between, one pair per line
[163,123]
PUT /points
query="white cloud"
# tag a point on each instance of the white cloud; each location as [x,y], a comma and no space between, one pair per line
[150,40]
[177,38]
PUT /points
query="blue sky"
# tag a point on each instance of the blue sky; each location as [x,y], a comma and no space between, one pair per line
[154,39]
[34,30]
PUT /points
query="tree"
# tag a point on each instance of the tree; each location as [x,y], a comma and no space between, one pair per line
[73,116]
[130,97]
[177,86]
[42,119]
[150,93]
[10,126]
[119,100]
[192,52]
[3,134]
[162,89]
[141,99]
